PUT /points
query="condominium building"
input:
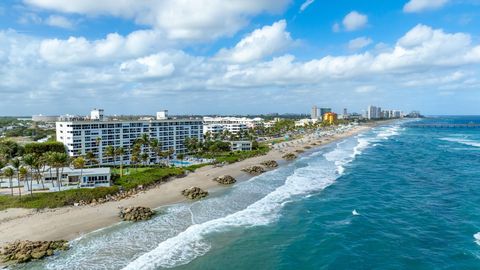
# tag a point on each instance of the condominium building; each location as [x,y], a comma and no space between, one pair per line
[95,133]
[314,114]
[232,124]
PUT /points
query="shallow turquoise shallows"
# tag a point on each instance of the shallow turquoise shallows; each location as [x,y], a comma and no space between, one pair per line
[392,198]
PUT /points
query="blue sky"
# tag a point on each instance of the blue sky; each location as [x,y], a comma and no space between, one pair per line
[239,56]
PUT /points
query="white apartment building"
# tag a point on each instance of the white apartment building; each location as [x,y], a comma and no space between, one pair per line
[241,145]
[233,124]
[95,133]
[374,112]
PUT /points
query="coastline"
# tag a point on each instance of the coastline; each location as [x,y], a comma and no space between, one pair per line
[72,222]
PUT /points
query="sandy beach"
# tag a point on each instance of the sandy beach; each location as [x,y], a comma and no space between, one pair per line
[72,222]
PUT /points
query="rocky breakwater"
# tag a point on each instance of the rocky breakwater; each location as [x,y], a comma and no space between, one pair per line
[270,164]
[289,156]
[25,251]
[136,213]
[194,193]
[254,170]
[225,180]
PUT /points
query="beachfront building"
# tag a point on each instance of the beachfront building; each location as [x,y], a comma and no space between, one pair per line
[330,118]
[234,125]
[93,134]
[314,114]
[374,112]
[241,145]
[305,122]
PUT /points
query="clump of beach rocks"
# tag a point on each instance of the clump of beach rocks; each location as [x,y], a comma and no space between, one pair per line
[25,251]
[255,170]
[307,147]
[270,164]
[194,193]
[299,151]
[136,213]
[289,156]
[225,179]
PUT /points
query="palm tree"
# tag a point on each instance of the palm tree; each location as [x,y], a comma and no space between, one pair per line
[58,160]
[110,152]
[30,160]
[156,148]
[2,164]
[144,156]
[22,174]
[79,163]
[9,172]
[120,151]
[91,159]
[16,164]
[134,159]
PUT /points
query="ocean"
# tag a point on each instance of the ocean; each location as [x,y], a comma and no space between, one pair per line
[394,197]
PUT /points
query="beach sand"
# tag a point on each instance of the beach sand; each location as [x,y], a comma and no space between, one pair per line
[72,222]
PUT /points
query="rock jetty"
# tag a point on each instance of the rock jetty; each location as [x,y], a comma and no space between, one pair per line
[136,213]
[270,164]
[289,156]
[255,170]
[225,180]
[194,193]
[25,251]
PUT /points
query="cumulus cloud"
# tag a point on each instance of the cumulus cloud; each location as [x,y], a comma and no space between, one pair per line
[178,19]
[259,44]
[137,69]
[359,43]
[354,21]
[79,50]
[423,5]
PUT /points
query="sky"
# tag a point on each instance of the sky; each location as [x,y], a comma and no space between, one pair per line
[238,56]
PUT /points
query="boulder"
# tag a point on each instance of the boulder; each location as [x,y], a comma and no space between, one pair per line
[270,164]
[136,213]
[25,251]
[194,193]
[307,147]
[225,180]
[255,170]
[289,156]
[299,151]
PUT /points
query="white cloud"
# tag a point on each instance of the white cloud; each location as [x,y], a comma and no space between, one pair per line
[259,44]
[354,21]
[423,5]
[178,19]
[140,70]
[59,21]
[75,50]
[306,4]
[359,43]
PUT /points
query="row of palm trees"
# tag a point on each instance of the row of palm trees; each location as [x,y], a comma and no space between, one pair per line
[32,167]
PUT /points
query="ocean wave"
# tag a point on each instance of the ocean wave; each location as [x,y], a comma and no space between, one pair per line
[462,141]
[477,238]
[193,242]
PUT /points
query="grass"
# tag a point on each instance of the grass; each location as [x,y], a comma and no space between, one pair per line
[147,177]
[232,157]
[55,199]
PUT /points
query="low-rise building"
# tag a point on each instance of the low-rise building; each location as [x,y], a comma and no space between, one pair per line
[240,145]
[330,118]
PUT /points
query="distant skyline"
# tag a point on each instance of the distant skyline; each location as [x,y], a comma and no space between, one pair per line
[238,56]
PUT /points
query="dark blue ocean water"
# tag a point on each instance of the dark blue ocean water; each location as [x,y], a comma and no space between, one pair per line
[415,193]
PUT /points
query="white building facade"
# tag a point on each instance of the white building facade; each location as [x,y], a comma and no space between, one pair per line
[232,124]
[82,136]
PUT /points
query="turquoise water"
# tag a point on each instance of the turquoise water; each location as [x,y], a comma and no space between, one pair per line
[391,198]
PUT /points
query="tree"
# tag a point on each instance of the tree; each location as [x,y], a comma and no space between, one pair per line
[41,148]
[91,159]
[57,161]
[110,152]
[29,160]
[144,157]
[16,164]
[120,151]
[9,172]
[22,174]
[156,148]
[79,163]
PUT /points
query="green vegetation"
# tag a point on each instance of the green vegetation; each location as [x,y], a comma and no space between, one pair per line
[147,177]
[232,157]
[56,199]
[41,148]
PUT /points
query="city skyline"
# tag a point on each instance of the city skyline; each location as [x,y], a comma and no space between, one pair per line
[250,58]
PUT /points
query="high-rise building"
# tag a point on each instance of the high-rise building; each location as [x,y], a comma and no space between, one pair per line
[314,112]
[371,112]
[323,111]
[95,133]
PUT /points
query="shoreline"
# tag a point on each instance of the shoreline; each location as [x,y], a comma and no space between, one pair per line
[72,222]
